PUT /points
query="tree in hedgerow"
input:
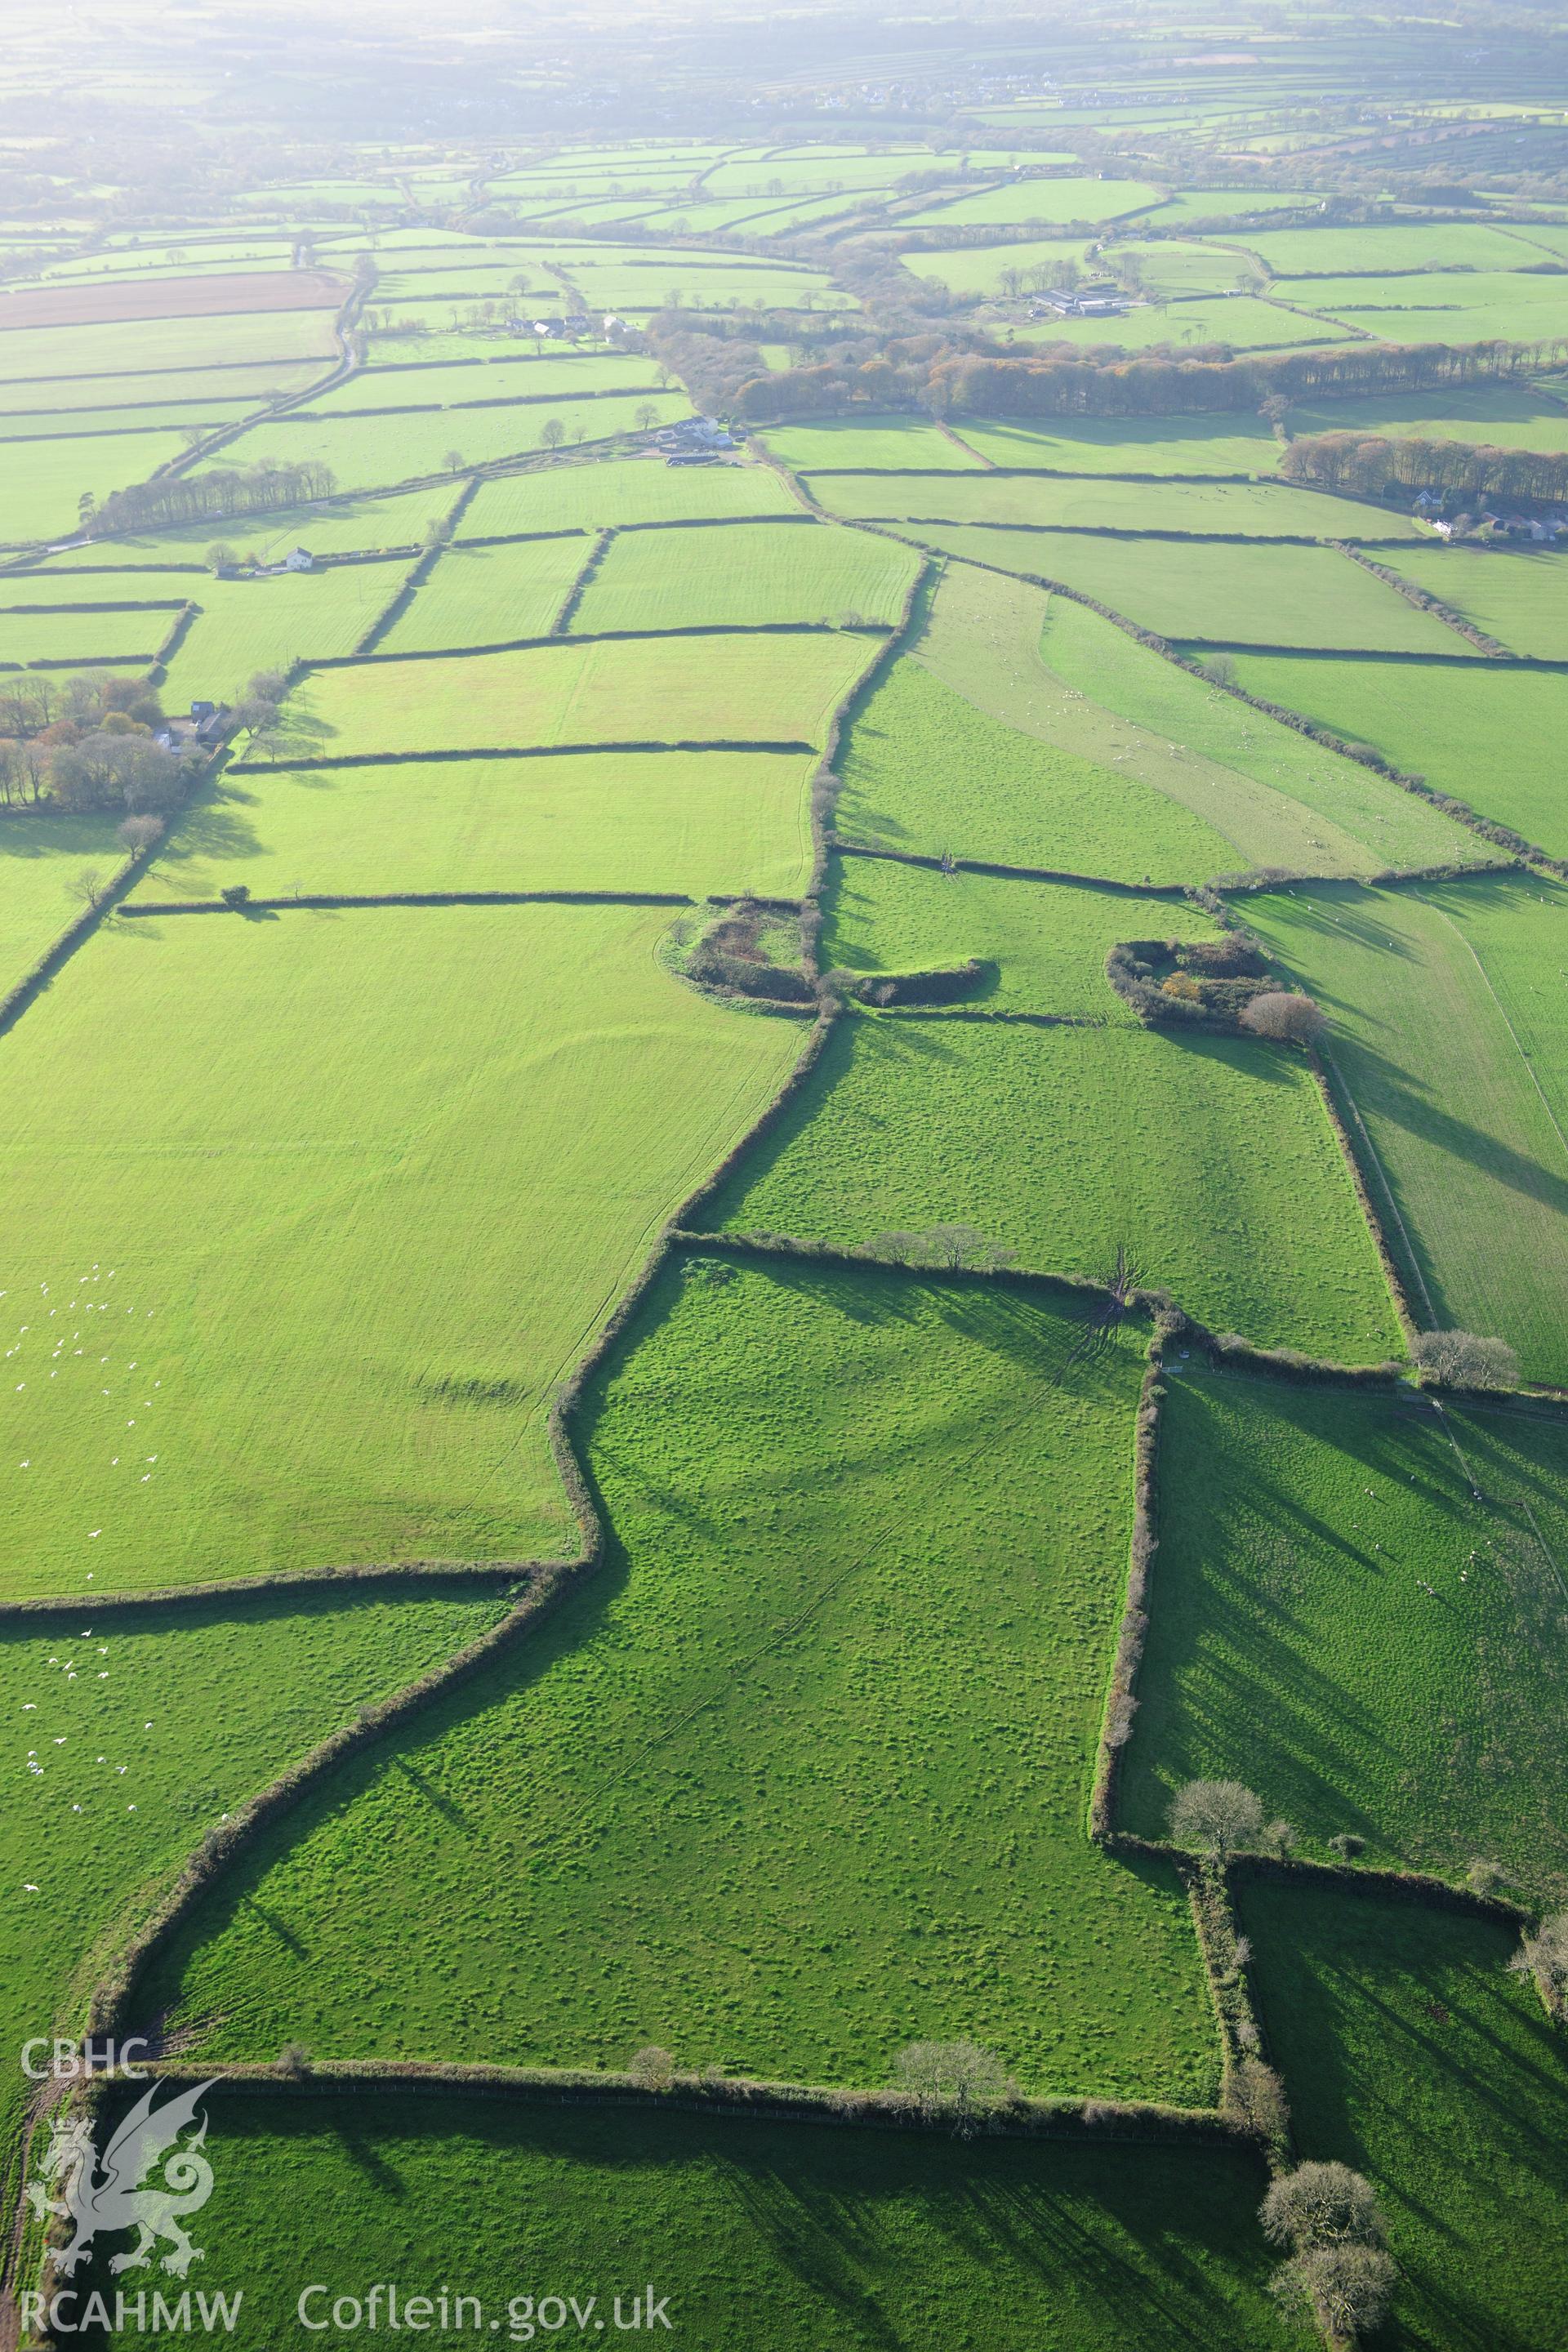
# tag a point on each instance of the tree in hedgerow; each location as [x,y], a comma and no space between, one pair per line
[647,416]
[1283,1014]
[1545,1955]
[960,2082]
[1216,1817]
[453,461]
[1462,1360]
[1339,2274]
[553,433]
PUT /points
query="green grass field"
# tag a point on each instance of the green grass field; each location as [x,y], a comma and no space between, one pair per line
[1214,593]
[925,769]
[1210,1161]
[1245,509]
[1431,247]
[1450,1037]
[122,1800]
[746,573]
[485,595]
[1047,943]
[147,391]
[167,415]
[1488,735]
[1171,267]
[1292,1645]
[1022,201]
[760,689]
[246,626]
[826,2240]
[408,444]
[124,346]
[692,821]
[460,385]
[1225,203]
[1510,416]
[367,1265]
[1199,445]
[1450,309]
[1519,596]
[840,444]
[44,855]
[1283,799]
[1239,320]
[622,490]
[1410,2050]
[131,637]
[843,1673]
[46,482]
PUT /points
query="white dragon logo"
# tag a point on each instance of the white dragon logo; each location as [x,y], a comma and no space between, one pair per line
[111,2195]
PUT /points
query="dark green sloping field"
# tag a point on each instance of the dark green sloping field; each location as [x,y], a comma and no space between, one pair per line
[1410,2050]
[807,2239]
[1293,1645]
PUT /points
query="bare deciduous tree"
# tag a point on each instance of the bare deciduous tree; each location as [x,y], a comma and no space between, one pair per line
[1545,1955]
[960,2082]
[1321,2205]
[1216,1816]
[653,2067]
[1283,1014]
[1345,2290]
[1462,1360]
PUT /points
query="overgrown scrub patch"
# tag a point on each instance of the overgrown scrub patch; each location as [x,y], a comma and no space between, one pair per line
[1209,1161]
[1455,1054]
[799,1776]
[816,2233]
[278,1303]
[1411,2051]
[1344,1624]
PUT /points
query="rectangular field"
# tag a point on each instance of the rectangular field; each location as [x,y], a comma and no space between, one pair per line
[894,444]
[740,689]
[369,450]
[46,857]
[622,490]
[1240,320]
[1490,736]
[1239,510]
[1208,594]
[366,1269]
[1450,1039]
[1282,798]
[84,640]
[1018,202]
[1209,1161]
[127,345]
[487,595]
[1508,416]
[848,1669]
[1132,2248]
[339,526]
[1518,596]
[1295,1645]
[927,768]
[743,574]
[244,626]
[694,821]
[1197,446]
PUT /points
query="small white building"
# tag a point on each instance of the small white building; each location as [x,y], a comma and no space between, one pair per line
[299,559]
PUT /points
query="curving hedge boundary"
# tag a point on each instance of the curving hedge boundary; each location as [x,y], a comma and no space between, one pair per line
[1011,873]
